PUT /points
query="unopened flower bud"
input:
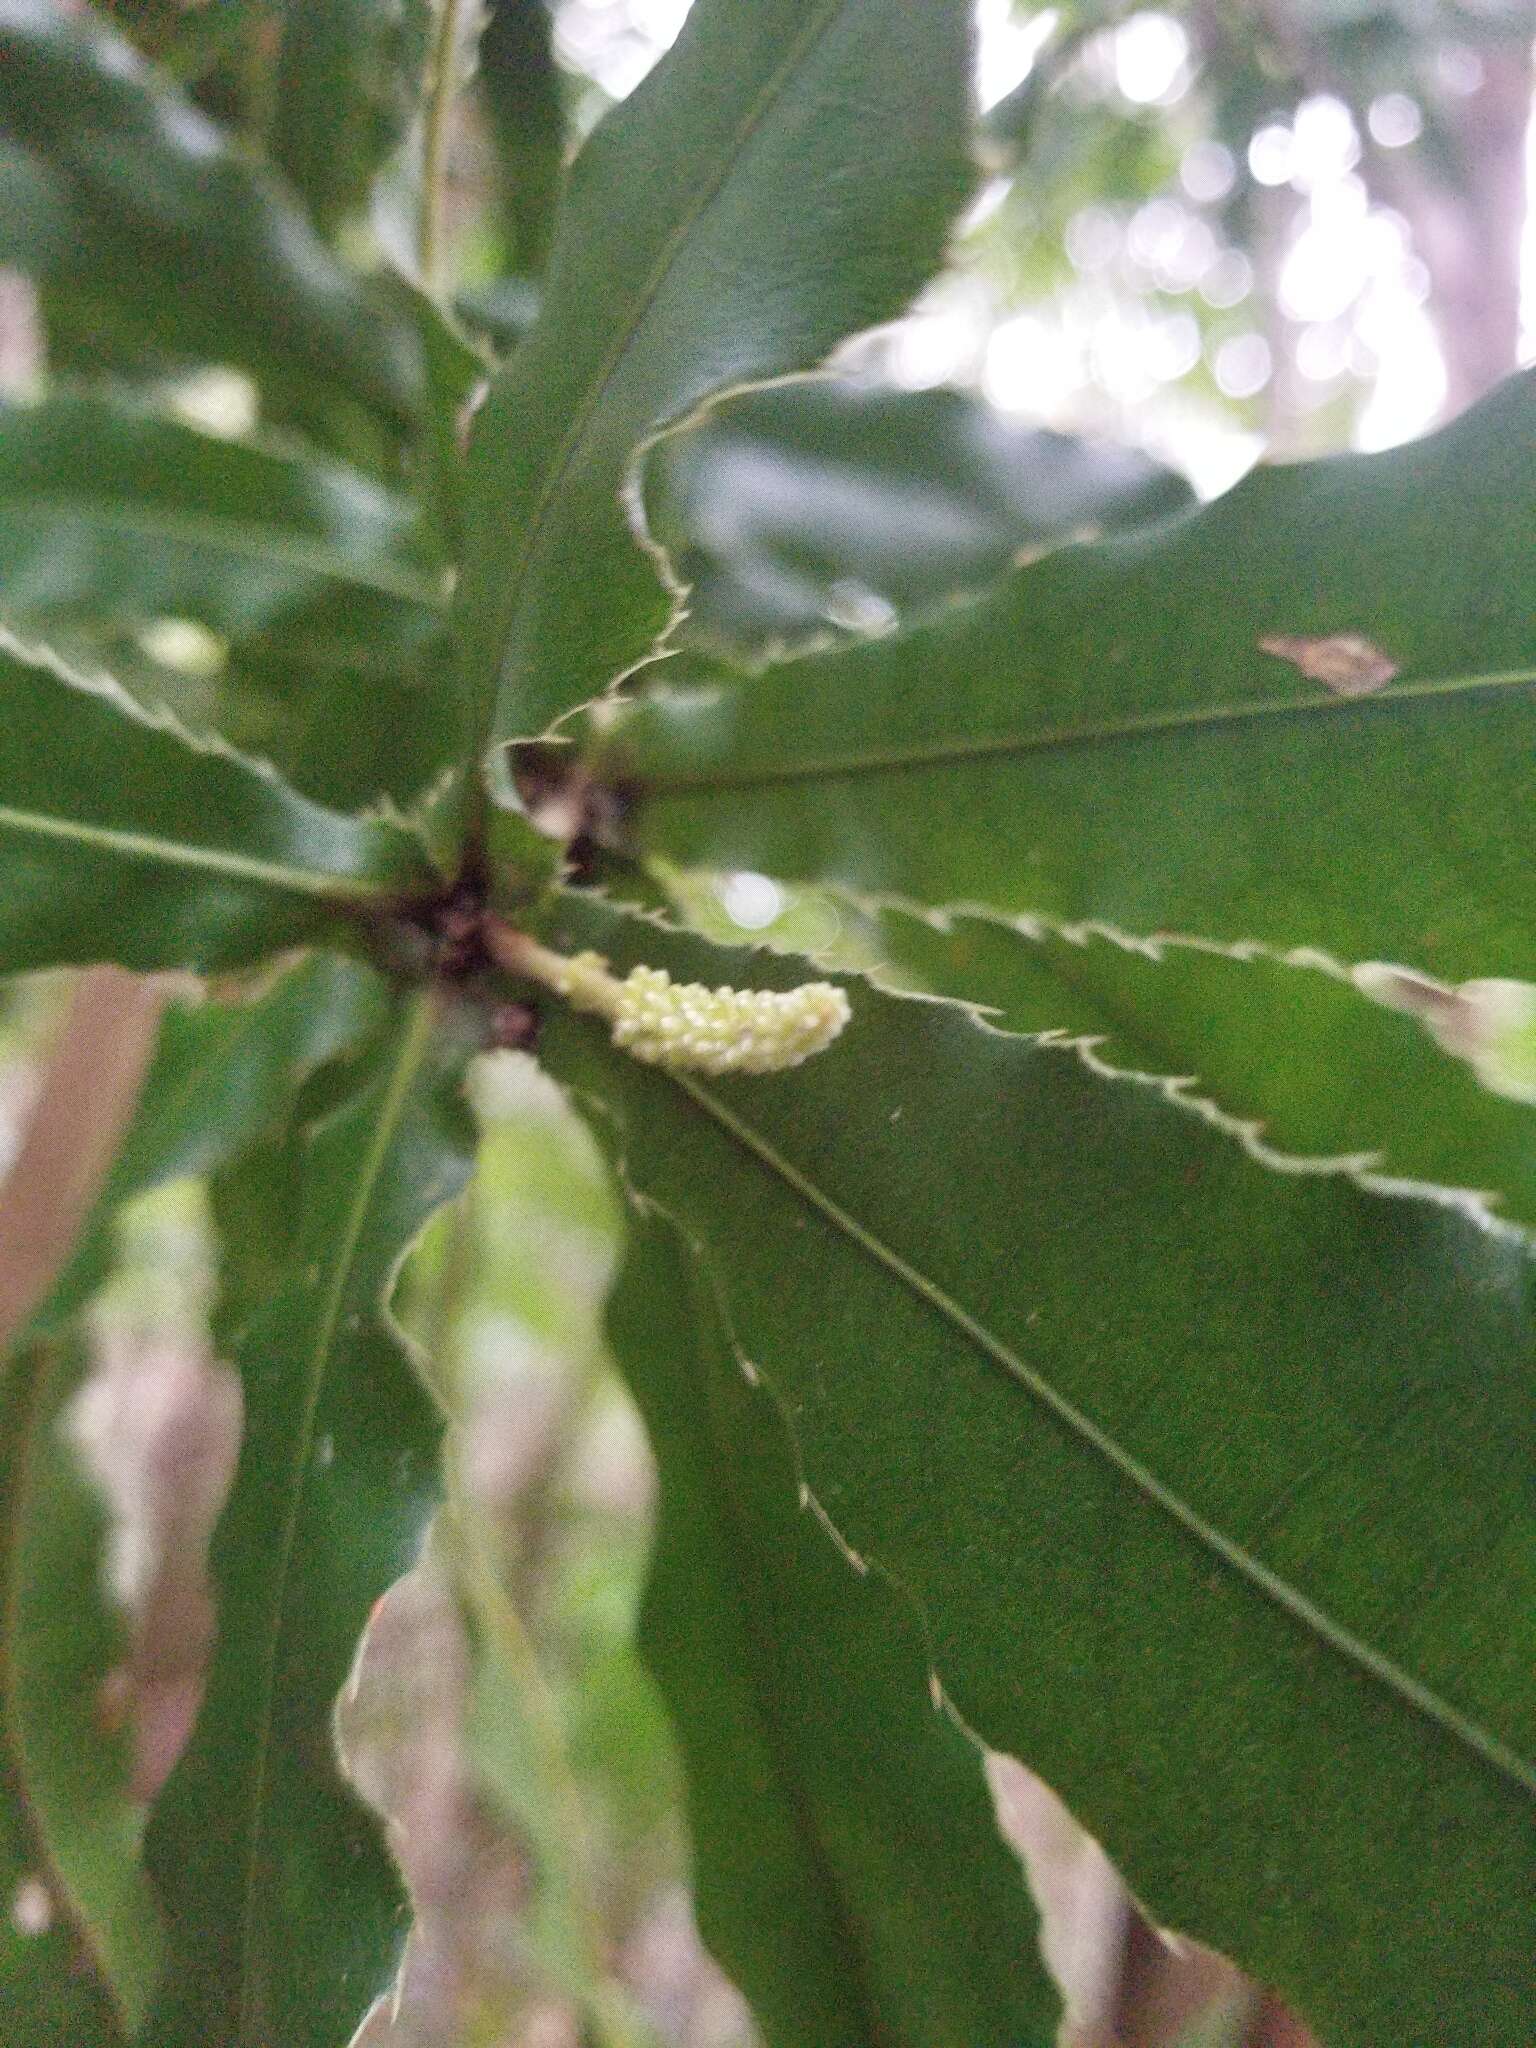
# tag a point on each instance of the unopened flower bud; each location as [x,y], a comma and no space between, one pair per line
[683,1024]
[724,1030]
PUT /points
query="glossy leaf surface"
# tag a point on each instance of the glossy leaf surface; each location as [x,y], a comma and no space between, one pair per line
[807,507]
[286,1912]
[783,177]
[849,1871]
[1213,1484]
[152,212]
[125,840]
[1314,1068]
[111,515]
[1107,737]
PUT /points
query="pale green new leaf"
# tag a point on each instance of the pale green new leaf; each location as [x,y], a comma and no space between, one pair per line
[1213,1484]
[286,1913]
[123,839]
[784,177]
[1107,737]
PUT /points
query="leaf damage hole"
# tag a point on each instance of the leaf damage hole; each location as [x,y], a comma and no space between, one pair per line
[1346,663]
[31,1908]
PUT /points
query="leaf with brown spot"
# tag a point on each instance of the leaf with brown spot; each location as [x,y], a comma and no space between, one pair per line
[1346,663]
[1106,740]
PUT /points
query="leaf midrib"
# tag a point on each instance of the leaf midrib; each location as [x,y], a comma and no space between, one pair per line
[625,338]
[249,540]
[177,853]
[945,752]
[1408,1689]
[414,1045]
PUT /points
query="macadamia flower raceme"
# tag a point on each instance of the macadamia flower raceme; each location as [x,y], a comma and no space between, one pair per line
[685,1025]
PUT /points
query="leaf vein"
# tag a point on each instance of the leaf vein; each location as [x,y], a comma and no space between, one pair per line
[177,853]
[413,1048]
[645,300]
[1408,1689]
[940,753]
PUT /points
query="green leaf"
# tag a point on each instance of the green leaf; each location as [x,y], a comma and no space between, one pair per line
[784,176]
[348,78]
[850,1875]
[351,734]
[125,840]
[350,696]
[161,220]
[1213,1484]
[519,86]
[1106,737]
[286,1912]
[112,516]
[78,1934]
[1308,1063]
[224,1073]
[812,505]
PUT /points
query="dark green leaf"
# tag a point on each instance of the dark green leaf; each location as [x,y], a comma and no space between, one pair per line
[350,696]
[1314,1068]
[286,1911]
[824,504]
[112,516]
[850,1875]
[79,1937]
[125,840]
[348,77]
[519,86]
[1107,738]
[783,177]
[171,227]
[1214,1485]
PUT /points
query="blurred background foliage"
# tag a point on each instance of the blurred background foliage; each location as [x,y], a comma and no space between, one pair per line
[1204,233]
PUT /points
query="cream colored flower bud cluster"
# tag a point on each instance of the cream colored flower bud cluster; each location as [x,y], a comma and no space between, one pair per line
[707,1030]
